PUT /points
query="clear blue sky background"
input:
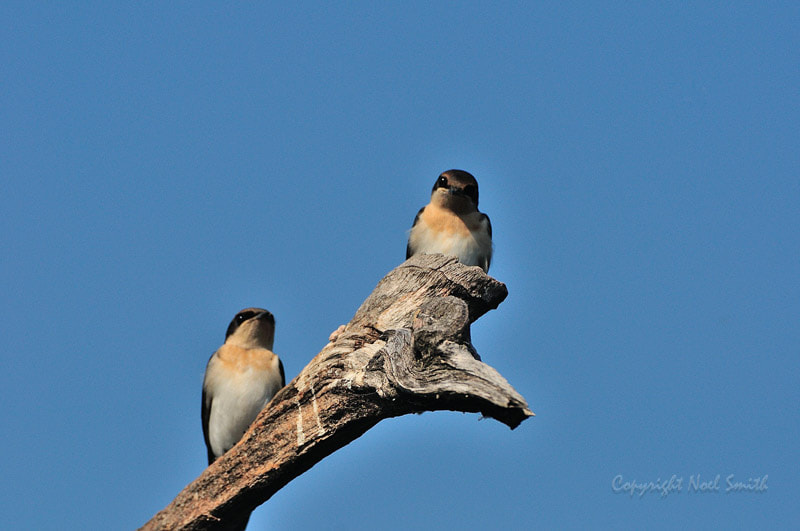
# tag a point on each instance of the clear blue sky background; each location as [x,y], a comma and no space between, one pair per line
[165,165]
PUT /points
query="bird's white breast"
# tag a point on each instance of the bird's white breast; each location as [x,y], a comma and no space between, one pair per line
[441,231]
[239,391]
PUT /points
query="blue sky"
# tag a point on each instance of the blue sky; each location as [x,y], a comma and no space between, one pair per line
[164,166]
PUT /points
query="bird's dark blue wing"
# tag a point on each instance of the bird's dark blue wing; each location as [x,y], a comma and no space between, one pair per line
[488,228]
[409,251]
[205,414]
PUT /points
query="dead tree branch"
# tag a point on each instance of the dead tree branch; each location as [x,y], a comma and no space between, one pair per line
[406,350]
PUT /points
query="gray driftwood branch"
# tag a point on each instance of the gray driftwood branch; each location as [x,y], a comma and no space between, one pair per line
[406,350]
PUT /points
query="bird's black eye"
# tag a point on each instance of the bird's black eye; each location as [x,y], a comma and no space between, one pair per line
[237,321]
[442,182]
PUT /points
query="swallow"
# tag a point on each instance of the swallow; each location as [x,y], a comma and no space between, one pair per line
[451,223]
[241,377]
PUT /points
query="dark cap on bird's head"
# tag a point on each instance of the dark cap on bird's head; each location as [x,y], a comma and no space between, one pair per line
[249,314]
[458,182]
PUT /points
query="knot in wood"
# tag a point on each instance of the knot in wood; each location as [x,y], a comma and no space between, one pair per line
[439,320]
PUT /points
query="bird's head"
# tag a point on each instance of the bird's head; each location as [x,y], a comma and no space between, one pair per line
[456,190]
[252,328]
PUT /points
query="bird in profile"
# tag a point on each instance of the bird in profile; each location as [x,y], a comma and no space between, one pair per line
[451,223]
[241,377]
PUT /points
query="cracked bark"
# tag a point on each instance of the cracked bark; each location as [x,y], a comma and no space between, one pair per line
[406,350]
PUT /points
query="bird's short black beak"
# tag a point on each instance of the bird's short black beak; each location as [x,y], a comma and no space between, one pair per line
[265,316]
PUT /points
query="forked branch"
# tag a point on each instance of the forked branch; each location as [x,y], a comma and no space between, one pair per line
[406,350]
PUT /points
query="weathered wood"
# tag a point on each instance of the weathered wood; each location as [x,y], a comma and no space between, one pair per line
[406,350]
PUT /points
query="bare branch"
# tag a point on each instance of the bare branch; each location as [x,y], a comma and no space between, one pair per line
[406,350]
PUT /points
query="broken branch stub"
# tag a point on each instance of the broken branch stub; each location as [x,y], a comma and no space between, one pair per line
[406,350]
